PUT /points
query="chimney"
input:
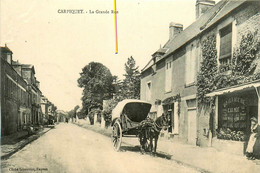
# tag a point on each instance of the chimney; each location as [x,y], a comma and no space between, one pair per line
[174,29]
[202,6]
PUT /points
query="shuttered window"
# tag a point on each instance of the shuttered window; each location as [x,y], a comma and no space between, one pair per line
[225,45]
[190,65]
[168,76]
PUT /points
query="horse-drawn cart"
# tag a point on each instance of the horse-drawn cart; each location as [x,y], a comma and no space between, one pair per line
[127,118]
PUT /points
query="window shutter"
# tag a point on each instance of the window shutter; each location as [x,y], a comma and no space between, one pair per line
[225,42]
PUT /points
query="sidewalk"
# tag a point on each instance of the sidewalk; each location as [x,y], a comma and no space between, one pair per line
[202,159]
[208,159]
[12,143]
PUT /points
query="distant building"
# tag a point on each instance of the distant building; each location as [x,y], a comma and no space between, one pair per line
[48,110]
[62,116]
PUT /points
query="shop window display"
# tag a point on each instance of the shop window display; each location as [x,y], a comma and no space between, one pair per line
[233,118]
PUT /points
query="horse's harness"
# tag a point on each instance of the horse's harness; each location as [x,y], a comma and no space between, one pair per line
[156,126]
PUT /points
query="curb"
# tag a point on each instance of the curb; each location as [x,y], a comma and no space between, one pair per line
[160,152]
[6,156]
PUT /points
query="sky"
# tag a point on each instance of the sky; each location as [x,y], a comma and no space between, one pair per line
[59,45]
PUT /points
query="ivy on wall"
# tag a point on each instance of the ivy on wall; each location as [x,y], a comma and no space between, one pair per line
[208,69]
[176,98]
[244,56]
[244,67]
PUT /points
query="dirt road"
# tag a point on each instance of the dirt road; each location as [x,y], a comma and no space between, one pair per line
[72,149]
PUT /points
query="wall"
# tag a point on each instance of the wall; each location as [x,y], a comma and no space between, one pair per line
[13,98]
[246,19]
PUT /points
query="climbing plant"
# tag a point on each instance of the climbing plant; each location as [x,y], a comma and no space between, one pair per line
[208,68]
[245,54]
[245,65]
[176,98]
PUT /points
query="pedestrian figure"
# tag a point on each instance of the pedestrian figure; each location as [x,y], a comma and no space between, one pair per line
[252,140]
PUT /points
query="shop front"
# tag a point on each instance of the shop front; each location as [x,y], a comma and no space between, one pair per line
[171,105]
[231,123]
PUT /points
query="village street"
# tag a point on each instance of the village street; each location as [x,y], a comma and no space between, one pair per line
[70,148]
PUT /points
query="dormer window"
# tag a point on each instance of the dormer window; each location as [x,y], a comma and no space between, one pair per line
[9,58]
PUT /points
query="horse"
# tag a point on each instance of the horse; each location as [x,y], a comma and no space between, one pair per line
[150,132]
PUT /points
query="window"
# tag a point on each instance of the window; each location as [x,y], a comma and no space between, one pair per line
[168,76]
[9,58]
[225,45]
[190,65]
[148,91]
[233,116]
[169,109]
[6,87]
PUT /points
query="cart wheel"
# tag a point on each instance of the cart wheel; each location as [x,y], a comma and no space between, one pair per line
[116,136]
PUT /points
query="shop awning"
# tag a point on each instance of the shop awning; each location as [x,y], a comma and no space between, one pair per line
[233,89]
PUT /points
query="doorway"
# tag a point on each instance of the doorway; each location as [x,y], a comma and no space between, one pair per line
[192,127]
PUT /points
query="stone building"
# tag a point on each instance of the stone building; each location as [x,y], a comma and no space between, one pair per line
[27,71]
[15,97]
[20,94]
[48,110]
[173,79]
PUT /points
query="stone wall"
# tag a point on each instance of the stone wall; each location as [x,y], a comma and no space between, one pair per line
[13,98]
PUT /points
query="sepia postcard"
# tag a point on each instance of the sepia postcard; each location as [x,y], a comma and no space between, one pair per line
[130,86]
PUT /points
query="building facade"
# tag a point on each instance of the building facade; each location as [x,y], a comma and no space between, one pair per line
[20,95]
[48,111]
[15,96]
[209,107]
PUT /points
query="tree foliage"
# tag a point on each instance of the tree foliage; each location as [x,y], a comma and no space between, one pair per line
[129,88]
[108,108]
[96,81]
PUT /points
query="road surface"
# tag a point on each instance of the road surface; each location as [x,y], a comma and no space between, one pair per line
[73,149]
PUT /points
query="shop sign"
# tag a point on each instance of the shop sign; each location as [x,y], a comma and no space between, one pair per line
[234,113]
[234,100]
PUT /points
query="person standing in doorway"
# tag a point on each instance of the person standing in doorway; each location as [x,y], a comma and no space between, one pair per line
[252,140]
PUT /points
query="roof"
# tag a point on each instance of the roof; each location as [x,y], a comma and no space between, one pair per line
[120,106]
[5,49]
[148,65]
[28,66]
[16,63]
[205,21]
[161,50]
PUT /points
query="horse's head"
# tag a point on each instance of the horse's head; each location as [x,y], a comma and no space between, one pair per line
[163,121]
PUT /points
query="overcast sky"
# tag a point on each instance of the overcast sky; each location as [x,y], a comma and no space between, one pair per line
[59,45]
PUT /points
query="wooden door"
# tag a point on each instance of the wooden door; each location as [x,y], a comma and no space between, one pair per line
[192,127]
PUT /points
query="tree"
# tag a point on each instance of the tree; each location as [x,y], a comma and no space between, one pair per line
[130,87]
[75,111]
[96,81]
